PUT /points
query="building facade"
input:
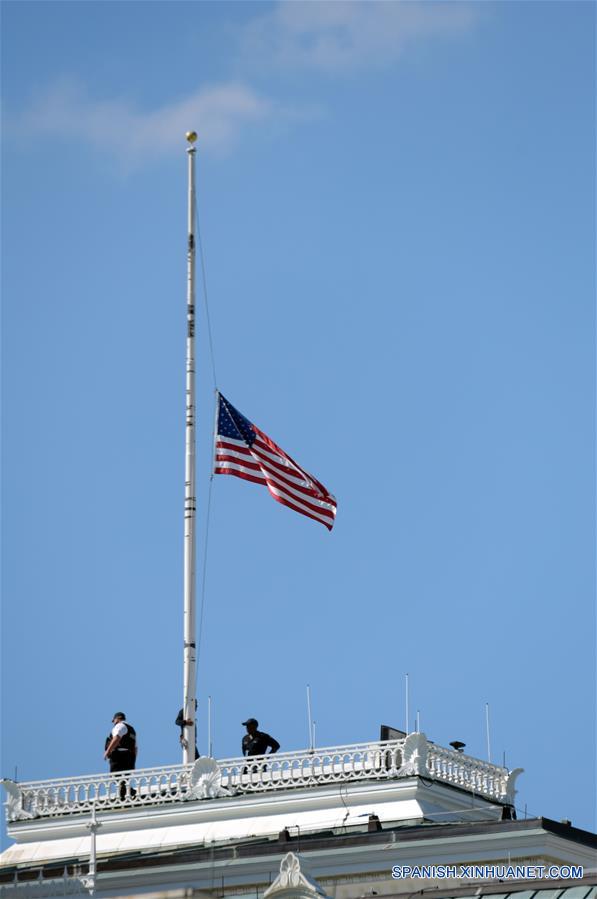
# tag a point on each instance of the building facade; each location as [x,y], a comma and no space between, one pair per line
[337,822]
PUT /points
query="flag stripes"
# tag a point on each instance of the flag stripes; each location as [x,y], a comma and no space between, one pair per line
[242,450]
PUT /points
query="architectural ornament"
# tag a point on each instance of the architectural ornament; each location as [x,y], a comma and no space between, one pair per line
[414,756]
[14,802]
[206,780]
[510,788]
[293,882]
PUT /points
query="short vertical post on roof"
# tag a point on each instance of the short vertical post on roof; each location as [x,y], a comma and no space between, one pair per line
[487,731]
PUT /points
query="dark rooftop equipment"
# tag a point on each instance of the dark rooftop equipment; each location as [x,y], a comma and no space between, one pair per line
[391,733]
[458,746]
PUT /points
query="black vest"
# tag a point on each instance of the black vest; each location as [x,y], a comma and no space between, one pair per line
[128,742]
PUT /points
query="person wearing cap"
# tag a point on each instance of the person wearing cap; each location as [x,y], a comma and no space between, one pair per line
[255,742]
[121,748]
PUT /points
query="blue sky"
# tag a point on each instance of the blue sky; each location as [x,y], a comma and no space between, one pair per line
[397,211]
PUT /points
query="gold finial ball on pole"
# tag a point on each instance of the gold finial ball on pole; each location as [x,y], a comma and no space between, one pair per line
[191,136]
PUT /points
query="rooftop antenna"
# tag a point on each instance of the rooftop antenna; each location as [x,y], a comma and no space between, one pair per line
[418,724]
[406,690]
[314,724]
[209,742]
[190,502]
[311,738]
[487,731]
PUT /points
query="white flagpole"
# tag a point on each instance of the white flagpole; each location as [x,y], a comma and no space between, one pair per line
[190,652]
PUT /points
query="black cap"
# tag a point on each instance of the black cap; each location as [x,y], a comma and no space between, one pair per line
[119,715]
[250,721]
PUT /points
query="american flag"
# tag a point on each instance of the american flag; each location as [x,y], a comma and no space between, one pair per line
[246,452]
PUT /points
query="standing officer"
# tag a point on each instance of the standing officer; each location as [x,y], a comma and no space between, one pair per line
[255,742]
[121,748]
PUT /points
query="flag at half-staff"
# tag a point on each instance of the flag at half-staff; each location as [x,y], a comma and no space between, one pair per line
[246,452]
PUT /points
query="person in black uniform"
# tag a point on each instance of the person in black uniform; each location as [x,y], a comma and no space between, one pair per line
[255,742]
[182,723]
[121,748]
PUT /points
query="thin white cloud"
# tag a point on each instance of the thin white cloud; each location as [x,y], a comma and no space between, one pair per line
[218,113]
[337,35]
[323,35]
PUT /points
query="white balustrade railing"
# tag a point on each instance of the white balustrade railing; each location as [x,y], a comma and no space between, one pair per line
[467,772]
[284,770]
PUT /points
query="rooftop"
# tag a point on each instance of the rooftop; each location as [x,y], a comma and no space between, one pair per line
[398,780]
[379,761]
[219,828]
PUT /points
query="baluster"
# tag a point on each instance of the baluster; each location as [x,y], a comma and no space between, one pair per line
[168,785]
[305,769]
[348,764]
[102,791]
[359,763]
[435,769]
[260,774]
[338,766]
[318,768]
[30,802]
